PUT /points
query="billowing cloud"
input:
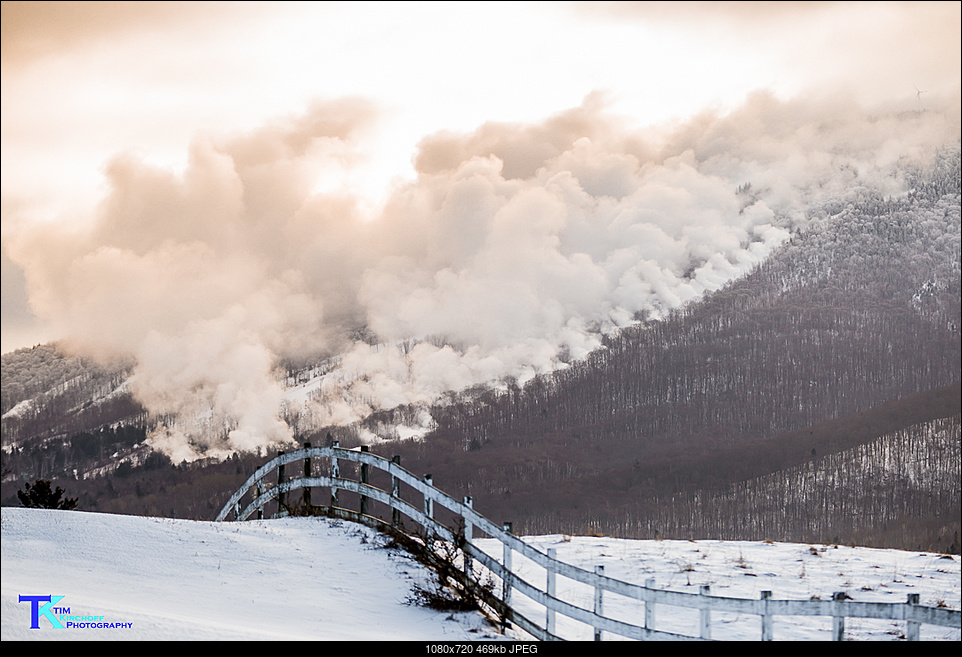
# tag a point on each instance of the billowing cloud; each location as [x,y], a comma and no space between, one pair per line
[512,252]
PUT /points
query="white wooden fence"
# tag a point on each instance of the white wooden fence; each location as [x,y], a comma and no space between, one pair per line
[467,522]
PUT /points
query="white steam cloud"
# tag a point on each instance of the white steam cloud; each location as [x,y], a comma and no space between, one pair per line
[510,254]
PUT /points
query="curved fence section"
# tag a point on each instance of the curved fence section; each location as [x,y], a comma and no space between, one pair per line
[405,499]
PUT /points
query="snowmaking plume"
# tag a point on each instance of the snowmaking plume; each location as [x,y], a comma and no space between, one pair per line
[511,253]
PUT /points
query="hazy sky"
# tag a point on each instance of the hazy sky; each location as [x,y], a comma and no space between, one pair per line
[217,185]
[84,81]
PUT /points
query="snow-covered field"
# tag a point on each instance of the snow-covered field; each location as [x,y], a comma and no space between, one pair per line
[310,578]
[743,569]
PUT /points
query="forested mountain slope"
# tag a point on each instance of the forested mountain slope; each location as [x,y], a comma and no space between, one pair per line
[49,395]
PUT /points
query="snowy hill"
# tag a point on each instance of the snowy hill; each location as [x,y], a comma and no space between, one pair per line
[322,579]
[177,579]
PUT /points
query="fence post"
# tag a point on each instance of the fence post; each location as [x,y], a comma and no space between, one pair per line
[428,502]
[308,472]
[468,537]
[506,580]
[551,588]
[705,629]
[335,473]
[395,494]
[766,616]
[912,631]
[649,604]
[259,492]
[363,478]
[838,616]
[599,599]
[281,497]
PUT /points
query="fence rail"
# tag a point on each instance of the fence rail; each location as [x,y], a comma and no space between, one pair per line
[261,494]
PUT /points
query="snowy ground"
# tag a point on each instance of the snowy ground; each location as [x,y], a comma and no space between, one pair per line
[320,579]
[179,579]
[743,569]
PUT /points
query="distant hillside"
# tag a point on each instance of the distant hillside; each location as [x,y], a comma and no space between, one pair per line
[41,369]
[50,394]
[900,489]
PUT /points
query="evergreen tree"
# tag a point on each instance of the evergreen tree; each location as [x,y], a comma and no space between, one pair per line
[41,496]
